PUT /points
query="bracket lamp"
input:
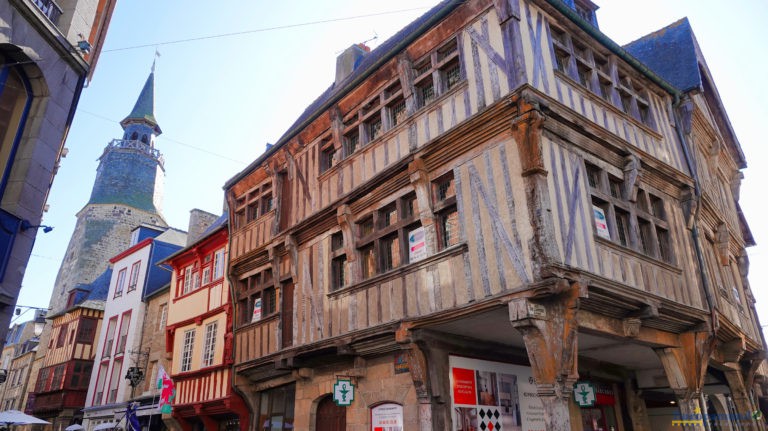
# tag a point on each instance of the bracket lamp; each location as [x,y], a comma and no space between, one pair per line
[25,225]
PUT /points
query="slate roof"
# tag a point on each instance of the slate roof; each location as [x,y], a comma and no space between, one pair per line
[99,288]
[158,276]
[671,53]
[144,109]
[369,64]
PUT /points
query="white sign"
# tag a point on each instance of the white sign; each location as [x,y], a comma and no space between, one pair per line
[343,392]
[584,394]
[417,245]
[256,310]
[601,224]
[486,395]
[387,417]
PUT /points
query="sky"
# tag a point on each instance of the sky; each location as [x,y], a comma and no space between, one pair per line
[232,77]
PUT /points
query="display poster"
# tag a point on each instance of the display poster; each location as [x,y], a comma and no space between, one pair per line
[601,224]
[256,310]
[489,395]
[417,245]
[387,417]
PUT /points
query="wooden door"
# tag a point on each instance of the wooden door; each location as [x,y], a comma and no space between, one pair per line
[330,417]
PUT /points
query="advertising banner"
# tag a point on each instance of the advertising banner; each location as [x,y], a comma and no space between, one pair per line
[488,395]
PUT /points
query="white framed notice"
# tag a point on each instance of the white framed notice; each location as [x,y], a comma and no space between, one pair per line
[387,417]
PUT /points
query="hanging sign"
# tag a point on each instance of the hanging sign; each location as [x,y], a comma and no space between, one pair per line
[600,222]
[417,245]
[256,310]
[584,394]
[387,417]
[343,392]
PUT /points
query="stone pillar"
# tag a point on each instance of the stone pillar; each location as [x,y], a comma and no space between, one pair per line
[685,367]
[549,328]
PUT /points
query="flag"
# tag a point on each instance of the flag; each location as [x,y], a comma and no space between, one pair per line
[131,418]
[167,391]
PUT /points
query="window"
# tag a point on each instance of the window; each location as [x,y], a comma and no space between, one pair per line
[86,330]
[276,408]
[218,264]
[134,279]
[209,344]
[338,262]
[163,317]
[444,192]
[57,379]
[386,247]
[351,141]
[62,336]
[253,205]
[80,374]
[125,324]
[441,66]
[257,297]
[187,280]
[186,353]
[111,326]
[15,100]
[327,154]
[120,283]
[42,380]
[100,382]
[639,225]
[114,380]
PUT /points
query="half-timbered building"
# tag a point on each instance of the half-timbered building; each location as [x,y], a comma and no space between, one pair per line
[499,217]
[199,336]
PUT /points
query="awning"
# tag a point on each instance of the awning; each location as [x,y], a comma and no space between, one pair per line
[105,426]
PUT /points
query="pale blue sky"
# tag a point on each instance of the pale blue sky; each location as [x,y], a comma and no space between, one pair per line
[220,100]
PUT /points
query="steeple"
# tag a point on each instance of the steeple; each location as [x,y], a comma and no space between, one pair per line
[144,110]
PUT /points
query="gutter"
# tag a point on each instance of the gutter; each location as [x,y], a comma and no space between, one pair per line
[348,87]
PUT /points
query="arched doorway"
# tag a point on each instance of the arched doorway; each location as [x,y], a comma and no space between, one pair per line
[330,417]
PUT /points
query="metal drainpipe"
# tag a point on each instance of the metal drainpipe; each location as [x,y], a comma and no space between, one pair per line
[697,196]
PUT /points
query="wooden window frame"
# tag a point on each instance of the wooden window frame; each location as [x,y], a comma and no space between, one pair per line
[445,209]
[260,285]
[120,282]
[339,276]
[133,280]
[254,204]
[209,344]
[187,347]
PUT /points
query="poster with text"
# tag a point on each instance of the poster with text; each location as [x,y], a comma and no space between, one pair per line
[490,396]
[387,417]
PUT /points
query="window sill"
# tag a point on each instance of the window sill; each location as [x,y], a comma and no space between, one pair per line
[263,320]
[400,271]
[626,250]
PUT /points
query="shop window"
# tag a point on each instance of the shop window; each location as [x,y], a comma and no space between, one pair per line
[276,409]
[639,225]
[386,247]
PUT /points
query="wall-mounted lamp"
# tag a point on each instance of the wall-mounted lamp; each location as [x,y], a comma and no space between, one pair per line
[25,224]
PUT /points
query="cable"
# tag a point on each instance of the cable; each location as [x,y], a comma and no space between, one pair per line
[260,30]
[169,139]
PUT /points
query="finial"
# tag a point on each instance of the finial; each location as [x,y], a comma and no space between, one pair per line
[157,55]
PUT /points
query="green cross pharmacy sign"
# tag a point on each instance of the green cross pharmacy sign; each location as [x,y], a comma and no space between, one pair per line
[343,392]
[584,394]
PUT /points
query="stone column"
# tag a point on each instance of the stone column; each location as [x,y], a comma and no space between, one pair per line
[549,328]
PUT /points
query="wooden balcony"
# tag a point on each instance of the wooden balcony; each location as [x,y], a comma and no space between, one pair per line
[58,400]
[252,236]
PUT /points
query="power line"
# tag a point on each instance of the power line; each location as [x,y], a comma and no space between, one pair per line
[261,30]
[203,150]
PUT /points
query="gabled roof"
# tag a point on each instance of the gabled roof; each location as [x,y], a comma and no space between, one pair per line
[144,109]
[671,53]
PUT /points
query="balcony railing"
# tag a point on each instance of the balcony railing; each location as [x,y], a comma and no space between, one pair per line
[50,9]
[135,145]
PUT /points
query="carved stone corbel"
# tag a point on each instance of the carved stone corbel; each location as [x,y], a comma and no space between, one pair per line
[344,219]
[293,255]
[722,240]
[690,206]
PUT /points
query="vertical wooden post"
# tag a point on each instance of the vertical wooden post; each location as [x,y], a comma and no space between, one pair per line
[638,413]
[740,397]
[420,181]
[685,367]
[549,328]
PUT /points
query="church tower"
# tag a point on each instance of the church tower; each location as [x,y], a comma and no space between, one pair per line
[127,192]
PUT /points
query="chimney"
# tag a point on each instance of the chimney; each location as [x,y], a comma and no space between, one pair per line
[199,222]
[347,62]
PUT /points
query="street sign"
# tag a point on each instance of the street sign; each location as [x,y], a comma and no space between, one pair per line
[343,392]
[584,394]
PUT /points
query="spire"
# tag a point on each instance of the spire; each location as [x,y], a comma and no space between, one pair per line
[144,109]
